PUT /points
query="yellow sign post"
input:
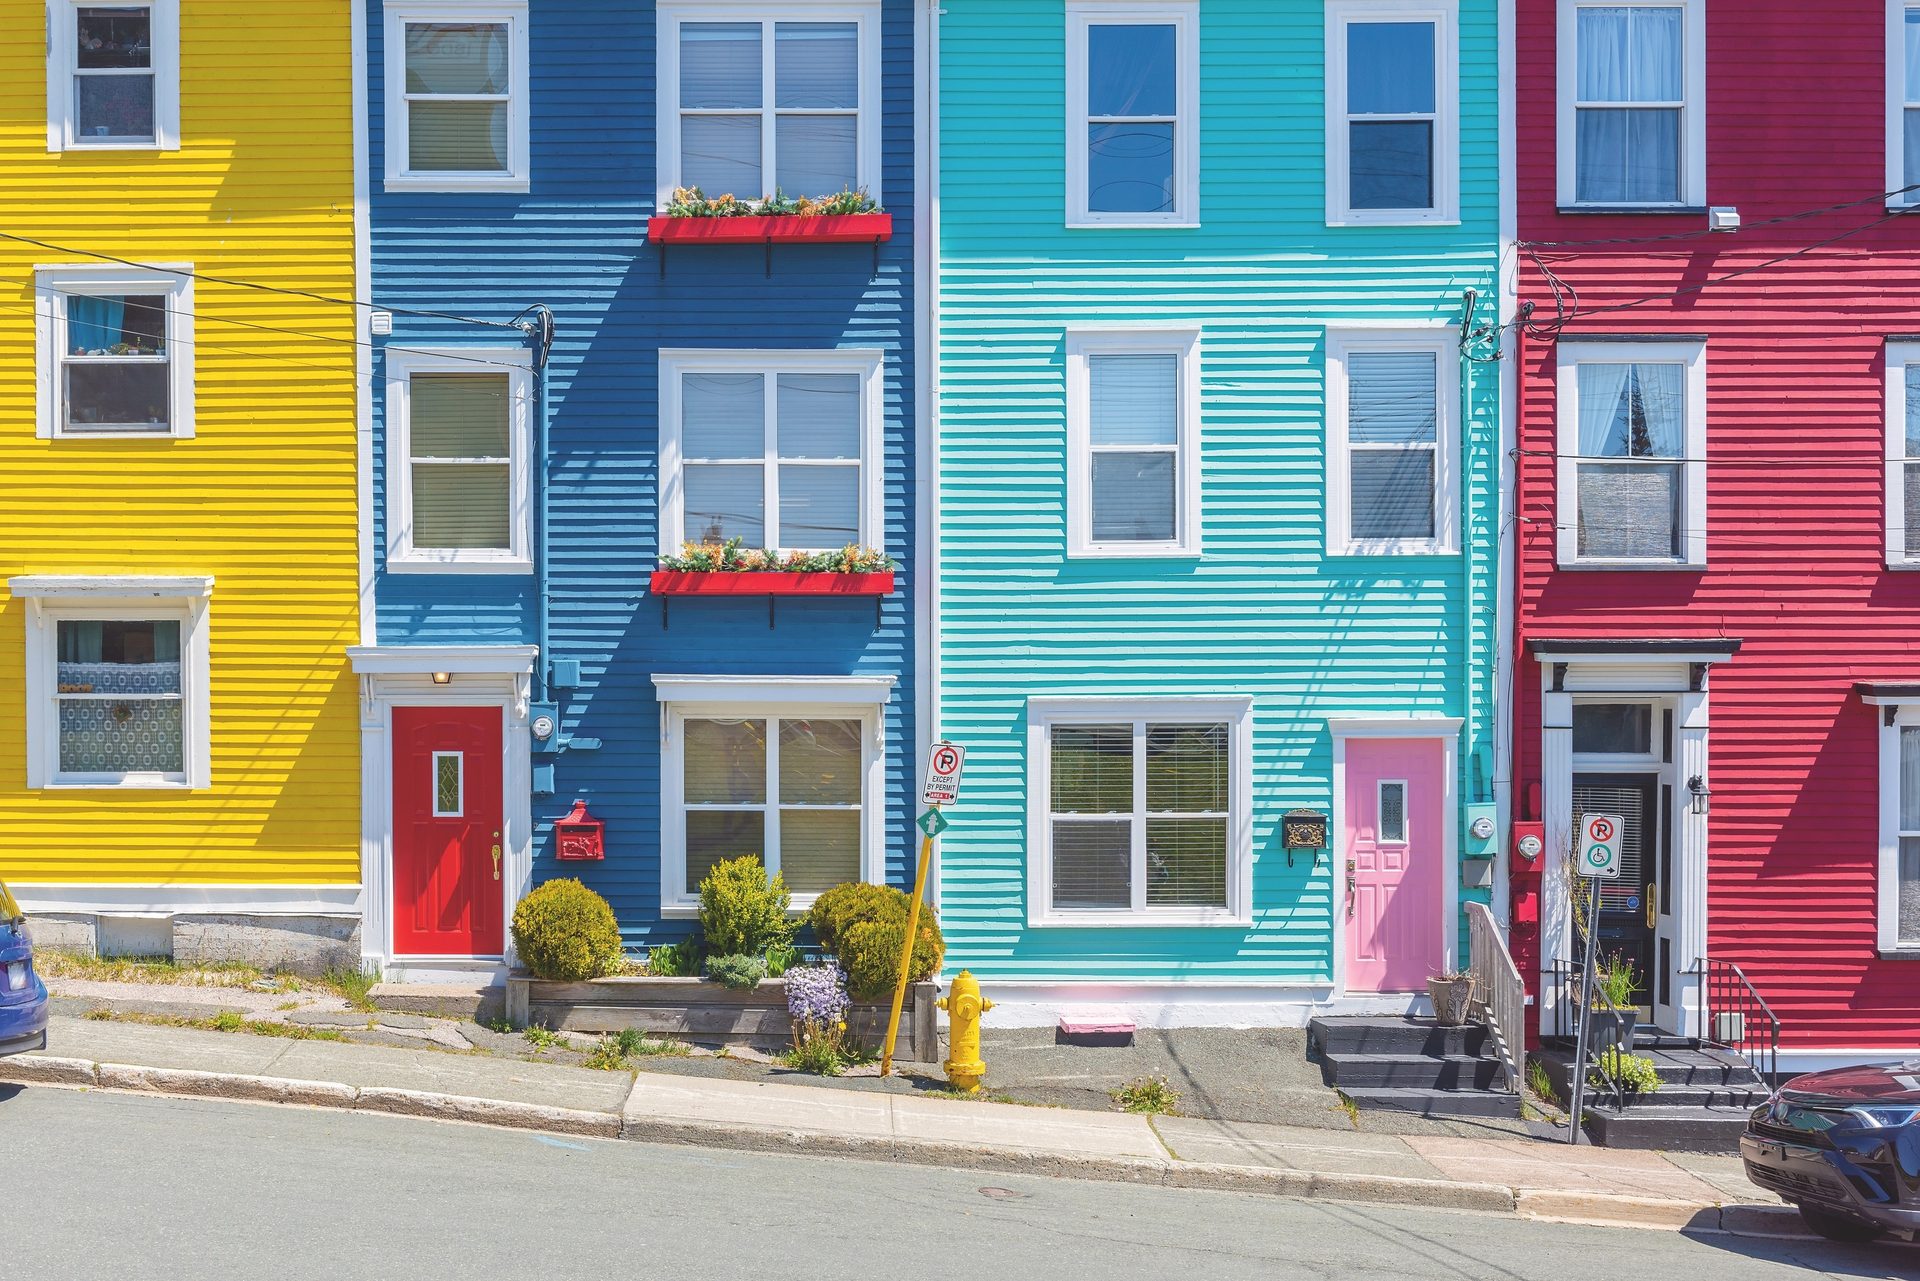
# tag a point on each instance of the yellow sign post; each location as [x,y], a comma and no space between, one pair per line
[930,822]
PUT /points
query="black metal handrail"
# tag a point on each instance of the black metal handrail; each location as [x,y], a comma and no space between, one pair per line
[1735,1016]
[1566,1013]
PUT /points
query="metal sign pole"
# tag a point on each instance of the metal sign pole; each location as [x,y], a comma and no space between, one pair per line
[1586,1011]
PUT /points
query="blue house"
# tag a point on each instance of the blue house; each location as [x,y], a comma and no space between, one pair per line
[556,397]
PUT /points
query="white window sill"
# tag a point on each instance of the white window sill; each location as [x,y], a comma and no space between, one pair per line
[60,784]
[410,565]
[81,144]
[1132,551]
[457,182]
[1904,566]
[1396,219]
[689,910]
[122,435]
[1640,566]
[1133,224]
[1181,918]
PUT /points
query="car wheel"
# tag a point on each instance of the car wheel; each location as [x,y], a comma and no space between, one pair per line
[1838,1227]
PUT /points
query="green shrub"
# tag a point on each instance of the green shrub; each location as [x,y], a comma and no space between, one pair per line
[675,960]
[1633,1073]
[743,911]
[737,971]
[781,957]
[565,931]
[870,954]
[849,904]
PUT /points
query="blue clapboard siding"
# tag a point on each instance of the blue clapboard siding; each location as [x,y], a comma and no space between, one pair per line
[1264,611]
[576,243]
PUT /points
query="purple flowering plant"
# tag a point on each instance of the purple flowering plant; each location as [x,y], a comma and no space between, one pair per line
[818,1003]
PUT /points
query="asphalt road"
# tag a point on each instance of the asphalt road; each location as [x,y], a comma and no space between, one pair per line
[96,1185]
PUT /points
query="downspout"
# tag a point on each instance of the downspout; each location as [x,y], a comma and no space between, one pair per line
[926,563]
[1469,722]
[539,331]
[1517,785]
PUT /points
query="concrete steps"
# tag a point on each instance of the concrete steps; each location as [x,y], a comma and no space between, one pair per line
[1702,1104]
[1413,1065]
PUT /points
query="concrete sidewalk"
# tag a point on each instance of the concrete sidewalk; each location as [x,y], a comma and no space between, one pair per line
[1512,1176]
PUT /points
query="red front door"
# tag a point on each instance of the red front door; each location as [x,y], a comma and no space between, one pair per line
[446,831]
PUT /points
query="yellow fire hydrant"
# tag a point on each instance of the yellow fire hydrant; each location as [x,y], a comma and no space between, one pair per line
[964,1006]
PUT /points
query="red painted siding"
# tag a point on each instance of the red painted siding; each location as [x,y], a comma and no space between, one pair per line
[1795,423]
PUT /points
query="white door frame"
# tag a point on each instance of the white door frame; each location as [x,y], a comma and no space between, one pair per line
[1444,729]
[476,676]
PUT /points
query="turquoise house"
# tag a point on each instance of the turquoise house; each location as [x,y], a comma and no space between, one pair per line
[1216,456]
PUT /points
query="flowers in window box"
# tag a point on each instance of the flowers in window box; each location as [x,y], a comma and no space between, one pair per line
[691,202]
[734,557]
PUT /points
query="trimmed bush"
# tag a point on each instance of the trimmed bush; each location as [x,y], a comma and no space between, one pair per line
[737,971]
[743,911]
[850,903]
[870,953]
[565,931]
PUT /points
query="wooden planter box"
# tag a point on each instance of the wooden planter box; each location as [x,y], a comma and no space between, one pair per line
[705,1013]
[760,229]
[720,582]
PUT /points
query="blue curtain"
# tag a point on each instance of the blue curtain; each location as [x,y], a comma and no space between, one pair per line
[94,324]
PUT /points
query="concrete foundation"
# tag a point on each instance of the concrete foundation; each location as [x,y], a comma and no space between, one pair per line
[293,944]
[64,932]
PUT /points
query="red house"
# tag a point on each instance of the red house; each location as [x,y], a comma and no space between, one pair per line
[1717,536]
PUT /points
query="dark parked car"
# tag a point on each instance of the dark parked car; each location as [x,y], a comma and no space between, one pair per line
[1844,1147]
[23,997]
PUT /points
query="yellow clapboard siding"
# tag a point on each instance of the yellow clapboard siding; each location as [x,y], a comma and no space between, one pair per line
[262,498]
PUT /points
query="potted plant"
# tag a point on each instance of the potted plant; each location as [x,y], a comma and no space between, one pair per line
[1452,993]
[845,217]
[1614,1015]
[732,569]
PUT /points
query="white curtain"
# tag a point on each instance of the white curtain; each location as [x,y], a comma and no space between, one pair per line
[1603,419]
[1632,411]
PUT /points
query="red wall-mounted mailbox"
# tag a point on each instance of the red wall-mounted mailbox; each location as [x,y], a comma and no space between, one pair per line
[579,835]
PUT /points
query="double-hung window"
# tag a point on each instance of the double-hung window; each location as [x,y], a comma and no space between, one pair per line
[116,681]
[754,102]
[1903,455]
[1392,442]
[1632,465]
[787,770]
[457,95]
[1632,104]
[1139,811]
[780,449]
[1133,442]
[1392,107]
[114,352]
[458,441]
[1133,113]
[1899,870]
[113,75]
[1903,102]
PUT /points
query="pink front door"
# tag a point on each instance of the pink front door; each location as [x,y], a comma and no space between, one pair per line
[447,807]
[1393,856]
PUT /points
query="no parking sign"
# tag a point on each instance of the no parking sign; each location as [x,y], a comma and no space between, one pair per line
[1600,845]
[943,774]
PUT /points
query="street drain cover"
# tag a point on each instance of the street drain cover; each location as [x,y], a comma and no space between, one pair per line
[1003,1194]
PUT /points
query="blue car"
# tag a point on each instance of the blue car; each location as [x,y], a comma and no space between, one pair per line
[23,997]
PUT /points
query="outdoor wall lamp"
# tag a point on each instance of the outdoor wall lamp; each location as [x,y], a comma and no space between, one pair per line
[1697,788]
[443,678]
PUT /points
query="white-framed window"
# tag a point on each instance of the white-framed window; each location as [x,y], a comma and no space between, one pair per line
[1139,811]
[116,681]
[1393,133]
[1133,113]
[113,75]
[457,96]
[1903,102]
[1133,442]
[1632,471]
[449,784]
[114,352]
[780,449]
[1903,455]
[1632,104]
[759,98]
[1393,442]
[790,770]
[459,438]
[1898,905]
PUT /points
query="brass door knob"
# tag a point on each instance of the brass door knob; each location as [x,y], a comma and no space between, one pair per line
[496,862]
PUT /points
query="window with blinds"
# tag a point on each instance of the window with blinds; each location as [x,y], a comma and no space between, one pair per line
[1906,897]
[461,461]
[457,95]
[1393,443]
[1133,442]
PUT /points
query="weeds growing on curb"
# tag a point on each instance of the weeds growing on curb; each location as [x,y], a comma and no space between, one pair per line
[224,1021]
[1540,1083]
[1351,1108]
[614,1051]
[353,985]
[543,1039]
[1148,1096]
[56,964]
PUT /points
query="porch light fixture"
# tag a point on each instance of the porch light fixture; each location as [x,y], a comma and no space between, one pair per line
[1697,788]
[446,678]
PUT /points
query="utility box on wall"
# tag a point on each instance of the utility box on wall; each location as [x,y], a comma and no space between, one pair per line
[1483,831]
[579,836]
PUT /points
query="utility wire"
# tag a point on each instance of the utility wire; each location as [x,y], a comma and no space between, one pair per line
[1699,233]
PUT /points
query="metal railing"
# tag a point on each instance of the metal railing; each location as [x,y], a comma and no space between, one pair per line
[1499,995]
[1568,1010]
[1734,1015]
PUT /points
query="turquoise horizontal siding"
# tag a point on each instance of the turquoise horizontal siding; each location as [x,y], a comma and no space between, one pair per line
[1263,611]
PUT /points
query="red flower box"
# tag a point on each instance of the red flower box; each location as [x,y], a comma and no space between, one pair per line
[720,582]
[757,229]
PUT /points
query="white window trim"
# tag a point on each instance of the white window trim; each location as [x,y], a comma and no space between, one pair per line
[1693,471]
[1184,16]
[402,364]
[54,599]
[684,698]
[460,783]
[1045,713]
[1182,343]
[1897,104]
[1693,111]
[1899,356]
[1443,342]
[53,285]
[399,176]
[668,16]
[1445,209]
[63,126]
[1887,878]
[866,363]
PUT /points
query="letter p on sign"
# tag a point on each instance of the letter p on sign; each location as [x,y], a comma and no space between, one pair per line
[943,774]
[1600,845]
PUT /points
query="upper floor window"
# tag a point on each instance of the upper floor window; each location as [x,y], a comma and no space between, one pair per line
[1632,466]
[780,449]
[115,352]
[456,95]
[458,439]
[1133,113]
[1903,102]
[113,75]
[1392,443]
[1903,455]
[1392,91]
[753,103]
[1133,442]
[1632,118]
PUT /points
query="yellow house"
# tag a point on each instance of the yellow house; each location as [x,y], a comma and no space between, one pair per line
[177,442]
